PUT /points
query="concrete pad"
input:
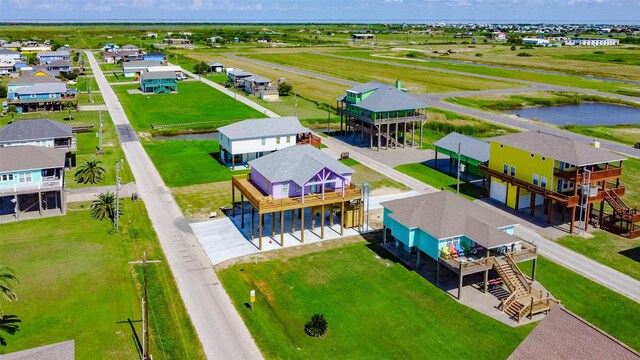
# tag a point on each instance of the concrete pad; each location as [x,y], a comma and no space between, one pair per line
[376,200]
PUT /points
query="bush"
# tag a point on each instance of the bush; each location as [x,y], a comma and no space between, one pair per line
[598,52]
[284,88]
[524,54]
[513,48]
[201,68]
[478,54]
[317,326]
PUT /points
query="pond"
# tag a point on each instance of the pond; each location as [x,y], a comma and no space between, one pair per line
[214,135]
[583,114]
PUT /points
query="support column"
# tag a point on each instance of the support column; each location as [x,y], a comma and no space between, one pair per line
[486,281]
[302,224]
[533,269]
[241,211]
[518,198]
[549,208]
[233,200]
[413,134]
[395,144]
[386,141]
[341,218]
[532,203]
[379,139]
[273,224]
[420,134]
[322,222]
[384,235]
[281,227]
[293,220]
[460,277]
[602,211]
[371,136]
[233,162]
[586,216]
[404,135]
[252,221]
[418,260]
[437,271]
[260,223]
[573,219]
[40,202]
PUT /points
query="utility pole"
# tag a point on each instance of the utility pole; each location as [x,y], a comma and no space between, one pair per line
[458,176]
[119,166]
[585,183]
[295,104]
[100,134]
[90,95]
[145,306]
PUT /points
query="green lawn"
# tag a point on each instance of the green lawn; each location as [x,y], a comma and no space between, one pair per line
[198,201]
[440,180]
[616,58]
[373,311]
[76,283]
[627,133]
[606,309]
[364,174]
[609,249]
[188,162]
[194,102]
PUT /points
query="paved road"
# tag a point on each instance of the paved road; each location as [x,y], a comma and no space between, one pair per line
[219,327]
[91,193]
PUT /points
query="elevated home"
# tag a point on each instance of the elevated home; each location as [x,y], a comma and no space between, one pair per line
[9,55]
[462,149]
[34,48]
[39,93]
[256,83]
[46,57]
[216,67]
[465,238]
[383,112]
[536,168]
[63,66]
[134,68]
[110,57]
[245,140]
[294,179]
[155,56]
[158,82]
[31,182]
[127,55]
[238,76]
[130,47]
[39,132]
[110,47]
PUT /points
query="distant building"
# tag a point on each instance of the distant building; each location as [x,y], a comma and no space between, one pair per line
[158,82]
[363,36]
[535,42]
[46,57]
[499,36]
[238,76]
[592,42]
[9,55]
[152,35]
[176,41]
[255,83]
[216,67]
[154,56]
[134,68]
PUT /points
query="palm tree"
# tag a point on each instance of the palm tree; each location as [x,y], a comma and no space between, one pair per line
[317,326]
[12,109]
[69,105]
[8,324]
[105,207]
[90,171]
[6,284]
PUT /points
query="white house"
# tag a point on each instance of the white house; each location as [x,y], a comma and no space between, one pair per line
[499,36]
[592,42]
[246,140]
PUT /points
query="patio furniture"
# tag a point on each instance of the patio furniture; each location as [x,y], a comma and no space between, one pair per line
[454,252]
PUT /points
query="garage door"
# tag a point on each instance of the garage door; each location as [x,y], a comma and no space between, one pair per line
[498,191]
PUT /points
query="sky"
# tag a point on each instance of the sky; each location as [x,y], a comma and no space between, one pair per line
[378,11]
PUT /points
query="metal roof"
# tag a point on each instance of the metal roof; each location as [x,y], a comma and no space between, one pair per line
[239,72]
[298,163]
[469,147]
[258,79]
[34,129]
[216,64]
[147,75]
[444,214]
[261,128]
[558,148]
[60,63]
[564,335]
[29,157]
[385,98]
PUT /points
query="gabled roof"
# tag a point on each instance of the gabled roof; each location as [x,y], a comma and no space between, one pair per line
[258,79]
[141,63]
[217,64]
[60,63]
[29,157]
[470,147]
[297,163]
[154,54]
[53,53]
[558,148]
[9,52]
[564,335]
[444,214]
[42,89]
[385,98]
[262,128]
[29,79]
[34,129]
[58,351]
[146,75]
[239,72]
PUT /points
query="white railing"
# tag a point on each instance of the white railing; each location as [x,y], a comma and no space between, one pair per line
[46,183]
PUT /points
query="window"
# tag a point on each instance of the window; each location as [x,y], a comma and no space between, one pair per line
[33,96]
[328,186]
[278,140]
[288,139]
[264,142]
[505,169]
[535,179]
[313,189]
[7,177]
[24,177]
[543,182]
[285,189]
[298,188]
[513,171]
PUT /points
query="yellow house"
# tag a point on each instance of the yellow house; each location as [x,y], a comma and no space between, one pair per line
[535,168]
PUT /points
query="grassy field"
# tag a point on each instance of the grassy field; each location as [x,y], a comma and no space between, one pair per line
[87,143]
[364,174]
[198,201]
[609,249]
[440,180]
[194,102]
[373,311]
[631,178]
[624,133]
[606,309]
[76,283]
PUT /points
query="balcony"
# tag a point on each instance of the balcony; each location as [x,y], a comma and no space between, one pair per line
[303,139]
[48,183]
[381,120]
[597,174]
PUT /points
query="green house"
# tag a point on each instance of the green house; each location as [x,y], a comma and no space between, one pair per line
[470,151]
[158,82]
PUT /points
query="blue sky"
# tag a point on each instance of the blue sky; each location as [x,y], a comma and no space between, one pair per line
[610,11]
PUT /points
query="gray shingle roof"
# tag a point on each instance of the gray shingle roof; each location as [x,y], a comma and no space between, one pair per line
[558,148]
[215,64]
[385,98]
[470,147]
[53,53]
[41,89]
[158,75]
[444,214]
[59,351]
[298,163]
[30,79]
[564,335]
[141,63]
[259,128]
[239,72]
[29,157]
[9,52]
[34,129]
[258,79]
[60,63]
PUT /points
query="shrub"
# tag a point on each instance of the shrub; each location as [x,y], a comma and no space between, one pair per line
[317,326]
[284,88]
[478,54]
[524,54]
[617,60]
[513,48]
[598,52]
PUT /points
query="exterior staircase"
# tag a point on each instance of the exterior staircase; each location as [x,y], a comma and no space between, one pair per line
[624,212]
[524,299]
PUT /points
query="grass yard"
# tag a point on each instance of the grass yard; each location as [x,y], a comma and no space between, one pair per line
[76,283]
[364,174]
[631,179]
[194,102]
[85,99]
[609,249]
[373,311]
[606,309]
[440,180]
[188,162]
[624,133]
[198,201]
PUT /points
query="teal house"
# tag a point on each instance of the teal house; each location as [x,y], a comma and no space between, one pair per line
[158,82]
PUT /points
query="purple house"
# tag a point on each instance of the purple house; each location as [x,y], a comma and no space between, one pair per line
[299,171]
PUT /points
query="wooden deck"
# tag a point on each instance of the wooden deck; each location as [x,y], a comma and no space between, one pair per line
[265,204]
[467,266]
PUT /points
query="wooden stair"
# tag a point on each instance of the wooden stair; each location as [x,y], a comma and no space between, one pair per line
[513,309]
[625,213]
[512,277]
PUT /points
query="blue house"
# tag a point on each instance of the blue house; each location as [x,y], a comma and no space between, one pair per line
[46,57]
[155,56]
[59,65]
[134,68]
[158,82]
[458,234]
[31,182]
[39,93]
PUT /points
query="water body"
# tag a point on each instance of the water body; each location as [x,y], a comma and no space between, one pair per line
[214,135]
[583,114]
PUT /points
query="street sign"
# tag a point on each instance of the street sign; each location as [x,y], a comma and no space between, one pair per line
[253,296]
